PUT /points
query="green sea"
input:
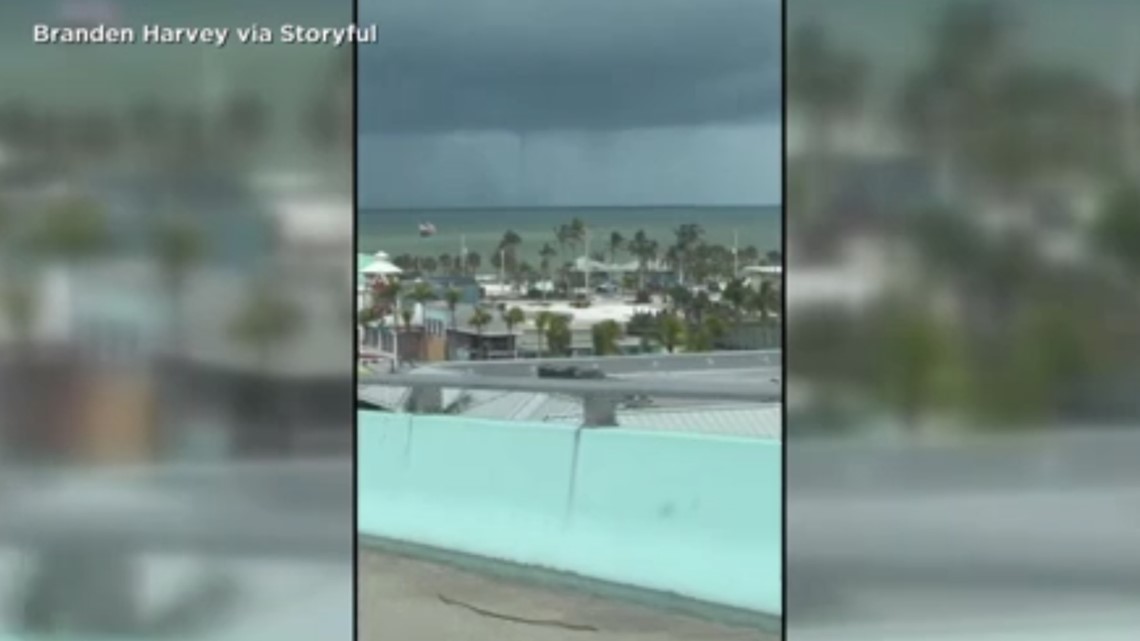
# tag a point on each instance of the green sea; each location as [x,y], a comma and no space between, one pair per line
[396,231]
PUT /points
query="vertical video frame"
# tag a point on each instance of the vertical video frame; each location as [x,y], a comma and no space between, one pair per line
[570,320]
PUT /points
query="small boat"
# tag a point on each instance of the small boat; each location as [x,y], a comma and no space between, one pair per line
[427,229]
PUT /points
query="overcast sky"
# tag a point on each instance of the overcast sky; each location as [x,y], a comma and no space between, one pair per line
[570,102]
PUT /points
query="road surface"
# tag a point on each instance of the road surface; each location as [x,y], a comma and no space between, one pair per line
[1005,539]
[407,600]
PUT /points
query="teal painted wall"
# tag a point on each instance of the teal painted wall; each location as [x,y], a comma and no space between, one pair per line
[693,515]
[669,510]
[382,440]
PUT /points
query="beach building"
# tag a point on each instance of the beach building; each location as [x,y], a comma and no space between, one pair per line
[470,291]
[424,338]
[437,333]
[585,270]
[369,269]
[154,377]
[757,275]
[240,227]
[496,341]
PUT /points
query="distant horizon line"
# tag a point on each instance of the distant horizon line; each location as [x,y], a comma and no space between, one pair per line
[563,207]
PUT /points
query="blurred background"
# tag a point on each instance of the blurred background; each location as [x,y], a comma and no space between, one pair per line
[963,361]
[176,327]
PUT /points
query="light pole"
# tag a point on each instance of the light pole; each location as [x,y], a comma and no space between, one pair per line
[586,263]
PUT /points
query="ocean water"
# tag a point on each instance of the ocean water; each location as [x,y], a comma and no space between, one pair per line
[397,231]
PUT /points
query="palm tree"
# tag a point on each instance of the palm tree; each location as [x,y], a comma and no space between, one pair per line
[670,331]
[179,246]
[750,255]
[825,84]
[941,102]
[645,250]
[576,235]
[1117,230]
[264,322]
[386,294]
[1016,155]
[369,315]
[736,294]
[245,123]
[616,244]
[507,252]
[72,230]
[421,293]
[562,237]
[688,237]
[262,325]
[606,335]
[452,296]
[558,334]
[697,339]
[680,298]
[473,262]
[407,314]
[20,303]
[541,324]
[480,319]
[917,350]
[547,254]
[714,326]
[761,301]
[513,317]
[699,306]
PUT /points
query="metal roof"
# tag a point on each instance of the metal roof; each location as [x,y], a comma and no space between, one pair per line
[753,421]
[746,420]
[756,421]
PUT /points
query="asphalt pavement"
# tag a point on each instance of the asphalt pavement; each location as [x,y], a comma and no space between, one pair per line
[999,538]
[401,599]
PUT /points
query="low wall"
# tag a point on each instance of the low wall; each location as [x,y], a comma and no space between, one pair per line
[696,516]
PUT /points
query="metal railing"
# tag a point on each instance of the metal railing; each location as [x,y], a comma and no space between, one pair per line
[242,509]
[600,398]
[619,365]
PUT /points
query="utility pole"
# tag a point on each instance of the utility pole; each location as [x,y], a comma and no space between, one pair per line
[396,333]
[586,264]
[735,255]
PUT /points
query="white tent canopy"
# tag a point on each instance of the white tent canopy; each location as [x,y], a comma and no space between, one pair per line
[381,266]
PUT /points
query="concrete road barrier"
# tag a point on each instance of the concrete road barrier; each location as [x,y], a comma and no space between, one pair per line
[684,514]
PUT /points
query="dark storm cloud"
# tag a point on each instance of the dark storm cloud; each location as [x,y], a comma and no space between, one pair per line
[447,65]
